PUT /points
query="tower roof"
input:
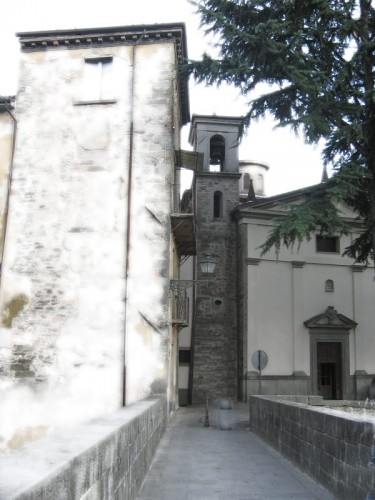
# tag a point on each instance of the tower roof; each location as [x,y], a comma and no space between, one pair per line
[217,121]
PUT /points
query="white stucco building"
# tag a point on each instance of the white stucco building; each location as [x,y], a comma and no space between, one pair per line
[91,243]
[309,308]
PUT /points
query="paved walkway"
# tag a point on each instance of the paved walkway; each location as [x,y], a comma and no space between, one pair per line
[194,462]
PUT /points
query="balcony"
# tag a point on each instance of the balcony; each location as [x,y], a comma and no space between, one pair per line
[182,216]
[183,222]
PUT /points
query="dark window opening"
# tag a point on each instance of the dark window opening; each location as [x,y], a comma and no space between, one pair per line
[217,153]
[218,204]
[329,286]
[327,244]
[246,181]
[184,356]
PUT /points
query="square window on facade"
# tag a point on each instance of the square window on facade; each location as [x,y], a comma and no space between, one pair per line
[329,286]
[327,244]
[97,84]
[184,356]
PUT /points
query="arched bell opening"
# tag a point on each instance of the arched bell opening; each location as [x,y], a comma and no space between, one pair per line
[217,153]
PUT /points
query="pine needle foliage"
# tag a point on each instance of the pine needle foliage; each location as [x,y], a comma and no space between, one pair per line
[318,58]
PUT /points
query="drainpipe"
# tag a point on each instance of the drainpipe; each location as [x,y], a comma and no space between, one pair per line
[9,187]
[354,305]
[192,335]
[128,223]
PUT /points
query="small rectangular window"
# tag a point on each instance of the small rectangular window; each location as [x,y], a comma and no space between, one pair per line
[327,244]
[184,357]
[218,204]
[97,85]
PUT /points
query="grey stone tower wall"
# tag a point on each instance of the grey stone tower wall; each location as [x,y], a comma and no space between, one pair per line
[215,346]
[242,310]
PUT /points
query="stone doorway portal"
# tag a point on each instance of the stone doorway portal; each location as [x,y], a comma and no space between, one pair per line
[329,370]
[329,354]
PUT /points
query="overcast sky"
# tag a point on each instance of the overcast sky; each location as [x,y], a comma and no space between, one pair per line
[293,164]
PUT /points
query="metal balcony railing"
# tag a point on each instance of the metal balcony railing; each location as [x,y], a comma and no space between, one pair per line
[180,308]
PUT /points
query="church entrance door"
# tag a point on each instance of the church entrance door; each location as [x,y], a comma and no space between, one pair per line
[329,354]
[329,369]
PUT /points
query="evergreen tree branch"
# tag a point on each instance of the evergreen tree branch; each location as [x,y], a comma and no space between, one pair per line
[319,58]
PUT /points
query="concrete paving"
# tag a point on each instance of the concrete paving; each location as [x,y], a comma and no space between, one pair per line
[194,462]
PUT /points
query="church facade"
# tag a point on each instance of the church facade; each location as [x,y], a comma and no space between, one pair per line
[299,321]
[308,308]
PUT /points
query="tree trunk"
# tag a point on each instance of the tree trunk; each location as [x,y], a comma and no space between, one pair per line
[368,79]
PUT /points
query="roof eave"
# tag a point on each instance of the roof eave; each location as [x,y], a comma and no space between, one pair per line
[116,35]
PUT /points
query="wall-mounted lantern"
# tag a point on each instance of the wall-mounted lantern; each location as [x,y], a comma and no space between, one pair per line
[208,266]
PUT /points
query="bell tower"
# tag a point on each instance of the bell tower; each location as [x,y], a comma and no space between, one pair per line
[216,194]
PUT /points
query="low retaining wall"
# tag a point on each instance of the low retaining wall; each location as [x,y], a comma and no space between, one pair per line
[332,448]
[104,459]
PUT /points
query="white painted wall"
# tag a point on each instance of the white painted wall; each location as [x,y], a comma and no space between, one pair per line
[258,174]
[65,251]
[281,297]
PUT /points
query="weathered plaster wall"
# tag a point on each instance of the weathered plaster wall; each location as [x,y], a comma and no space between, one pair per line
[6,144]
[63,311]
[148,329]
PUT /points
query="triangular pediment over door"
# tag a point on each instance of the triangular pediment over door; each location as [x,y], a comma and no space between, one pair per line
[331,320]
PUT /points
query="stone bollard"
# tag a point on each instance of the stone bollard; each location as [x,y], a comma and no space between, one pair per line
[226,417]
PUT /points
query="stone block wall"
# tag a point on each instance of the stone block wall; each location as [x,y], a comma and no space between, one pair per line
[298,383]
[242,311]
[104,459]
[334,449]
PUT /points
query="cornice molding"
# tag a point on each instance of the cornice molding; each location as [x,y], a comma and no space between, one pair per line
[330,320]
[118,35]
[252,262]
[298,264]
[358,268]
[114,36]
[227,175]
